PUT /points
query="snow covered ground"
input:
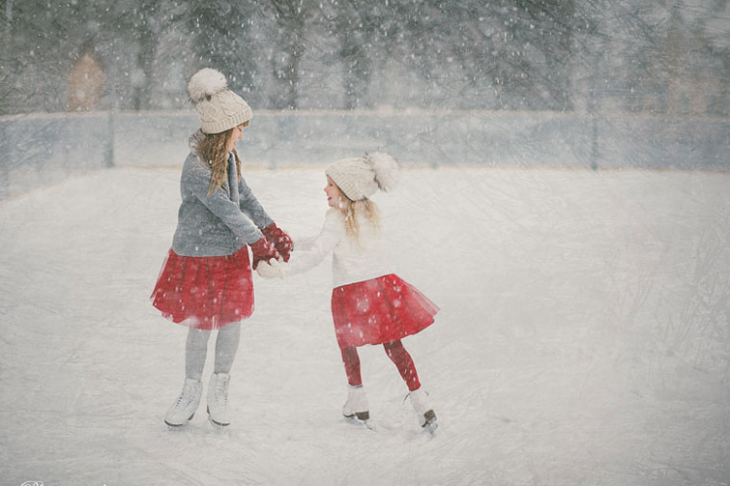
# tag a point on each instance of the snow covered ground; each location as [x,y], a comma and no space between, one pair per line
[584,337]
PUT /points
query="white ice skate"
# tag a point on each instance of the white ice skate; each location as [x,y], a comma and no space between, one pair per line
[356,407]
[218,399]
[185,405]
[424,411]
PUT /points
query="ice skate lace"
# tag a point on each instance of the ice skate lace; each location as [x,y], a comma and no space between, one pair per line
[186,397]
[221,392]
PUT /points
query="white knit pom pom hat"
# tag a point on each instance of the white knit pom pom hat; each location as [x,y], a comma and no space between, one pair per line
[360,177]
[219,108]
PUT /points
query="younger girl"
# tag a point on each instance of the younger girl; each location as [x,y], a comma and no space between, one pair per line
[369,305]
[205,282]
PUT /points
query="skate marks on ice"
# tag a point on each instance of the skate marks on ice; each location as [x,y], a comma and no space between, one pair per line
[583,340]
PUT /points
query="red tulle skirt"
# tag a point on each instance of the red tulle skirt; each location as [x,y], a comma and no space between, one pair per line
[205,292]
[378,311]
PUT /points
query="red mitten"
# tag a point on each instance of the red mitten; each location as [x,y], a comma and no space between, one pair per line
[263,251]
[280,240]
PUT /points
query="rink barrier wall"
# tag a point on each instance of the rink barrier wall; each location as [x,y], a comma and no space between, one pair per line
[43,148]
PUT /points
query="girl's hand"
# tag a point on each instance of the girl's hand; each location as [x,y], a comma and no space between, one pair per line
[271,269]
[263,252]
[280,240]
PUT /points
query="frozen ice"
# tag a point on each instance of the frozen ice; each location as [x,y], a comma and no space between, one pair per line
[582,339]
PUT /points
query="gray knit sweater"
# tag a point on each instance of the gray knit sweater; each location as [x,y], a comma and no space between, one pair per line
[222,223]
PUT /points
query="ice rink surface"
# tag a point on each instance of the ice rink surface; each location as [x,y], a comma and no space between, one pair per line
[584,337]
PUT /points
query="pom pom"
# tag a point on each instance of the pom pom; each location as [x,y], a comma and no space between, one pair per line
[385,168]
[205,83]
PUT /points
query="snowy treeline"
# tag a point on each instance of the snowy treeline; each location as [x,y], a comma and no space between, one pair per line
[661,57]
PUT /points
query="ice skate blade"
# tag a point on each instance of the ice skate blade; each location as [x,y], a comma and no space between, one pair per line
[214,423]
[361,416]
[353,419]
[218,424]
[431,427]
[177,426]
[431,424]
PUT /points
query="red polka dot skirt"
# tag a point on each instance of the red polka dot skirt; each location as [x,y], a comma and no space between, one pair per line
[378,311]
[205,292]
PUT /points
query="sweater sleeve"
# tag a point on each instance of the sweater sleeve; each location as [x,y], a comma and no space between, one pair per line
[318,247]
[252,207]
[305,243]
[220,204]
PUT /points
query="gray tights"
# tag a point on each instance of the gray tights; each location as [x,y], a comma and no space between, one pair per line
[196,350]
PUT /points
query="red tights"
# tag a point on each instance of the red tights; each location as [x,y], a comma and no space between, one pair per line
[397,354]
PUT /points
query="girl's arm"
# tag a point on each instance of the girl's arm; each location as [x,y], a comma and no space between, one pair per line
[273,234]
[322,245]
[198,180]
[252,207]
[305,244]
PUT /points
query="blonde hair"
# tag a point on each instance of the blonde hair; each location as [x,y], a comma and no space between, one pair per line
[212,152]
[353,210]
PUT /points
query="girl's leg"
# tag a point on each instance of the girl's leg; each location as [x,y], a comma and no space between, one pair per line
[226,346]
[357,402]
[196,349]
[185,405]
[352,366]
[403,361]
[225,352]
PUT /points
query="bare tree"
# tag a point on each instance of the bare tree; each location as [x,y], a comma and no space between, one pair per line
[291,18]
[499,54]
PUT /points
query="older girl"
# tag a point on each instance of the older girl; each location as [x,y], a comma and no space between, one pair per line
[205,282]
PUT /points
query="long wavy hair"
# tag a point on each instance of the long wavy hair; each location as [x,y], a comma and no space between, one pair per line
[353,210]
[212,152]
